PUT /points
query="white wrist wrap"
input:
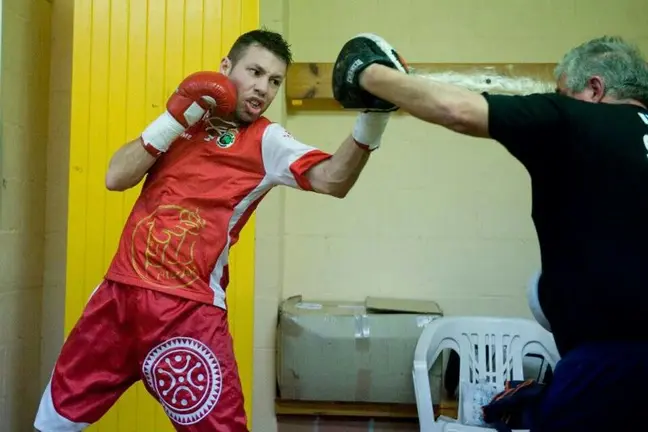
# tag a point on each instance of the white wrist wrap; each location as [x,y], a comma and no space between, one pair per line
[162,132]
[369,128]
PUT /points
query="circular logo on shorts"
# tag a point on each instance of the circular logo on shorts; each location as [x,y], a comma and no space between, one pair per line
[186,376]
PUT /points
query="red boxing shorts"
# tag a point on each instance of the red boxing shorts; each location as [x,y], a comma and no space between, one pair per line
[181,349]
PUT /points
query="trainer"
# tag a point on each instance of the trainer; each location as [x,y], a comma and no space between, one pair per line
[585,148]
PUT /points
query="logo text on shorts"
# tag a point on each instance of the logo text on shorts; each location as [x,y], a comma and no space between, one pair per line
[186,377]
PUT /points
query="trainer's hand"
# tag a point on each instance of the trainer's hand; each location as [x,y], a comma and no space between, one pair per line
[356,55]
[195,95]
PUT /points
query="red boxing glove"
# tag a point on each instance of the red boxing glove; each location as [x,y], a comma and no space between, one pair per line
[200,92]
[187,105]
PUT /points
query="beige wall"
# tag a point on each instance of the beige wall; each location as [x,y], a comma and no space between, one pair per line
[25,90]
[57,185]
[435,215]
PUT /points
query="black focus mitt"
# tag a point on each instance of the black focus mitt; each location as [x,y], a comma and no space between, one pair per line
[356,55]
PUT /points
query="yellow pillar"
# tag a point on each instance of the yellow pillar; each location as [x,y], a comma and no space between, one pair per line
[128,56]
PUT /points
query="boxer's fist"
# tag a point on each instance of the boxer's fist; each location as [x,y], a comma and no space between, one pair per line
[356,55]
[200,92]
[195,95]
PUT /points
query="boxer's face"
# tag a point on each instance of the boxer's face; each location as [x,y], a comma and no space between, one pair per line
[258,74]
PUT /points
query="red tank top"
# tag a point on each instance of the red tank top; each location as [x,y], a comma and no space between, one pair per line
[195,201]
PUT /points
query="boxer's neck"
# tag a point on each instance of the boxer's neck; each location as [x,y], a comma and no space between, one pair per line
[219,122]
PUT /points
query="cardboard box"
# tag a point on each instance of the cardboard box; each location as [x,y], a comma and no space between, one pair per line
[352,351]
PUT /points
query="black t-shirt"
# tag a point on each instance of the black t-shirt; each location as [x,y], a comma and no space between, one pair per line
[588,165]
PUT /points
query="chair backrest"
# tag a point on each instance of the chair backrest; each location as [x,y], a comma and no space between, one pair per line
[491,350]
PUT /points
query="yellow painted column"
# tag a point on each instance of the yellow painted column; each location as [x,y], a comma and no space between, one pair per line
[129,55]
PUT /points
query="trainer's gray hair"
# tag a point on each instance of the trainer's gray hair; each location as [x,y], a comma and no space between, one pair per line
[620,64]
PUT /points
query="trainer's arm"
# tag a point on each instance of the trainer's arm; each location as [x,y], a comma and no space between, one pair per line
[337,175]
[128,166]
[447,105]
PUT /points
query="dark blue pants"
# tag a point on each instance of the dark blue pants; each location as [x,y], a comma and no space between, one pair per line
[598,387]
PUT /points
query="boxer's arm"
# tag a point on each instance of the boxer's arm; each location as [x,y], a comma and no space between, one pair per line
[292,163]
[337,175]
[196,94]
[128,166]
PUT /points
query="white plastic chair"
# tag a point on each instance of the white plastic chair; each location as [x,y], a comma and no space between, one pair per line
[508,341]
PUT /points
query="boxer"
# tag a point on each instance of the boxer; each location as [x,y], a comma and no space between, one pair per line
[160,313]
[585,147]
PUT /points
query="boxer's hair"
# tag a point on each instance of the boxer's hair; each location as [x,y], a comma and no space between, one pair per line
[620,63]
[273,42]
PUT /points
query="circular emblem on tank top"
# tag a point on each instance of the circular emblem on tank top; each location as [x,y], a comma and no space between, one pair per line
[186,377]
[226,140]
